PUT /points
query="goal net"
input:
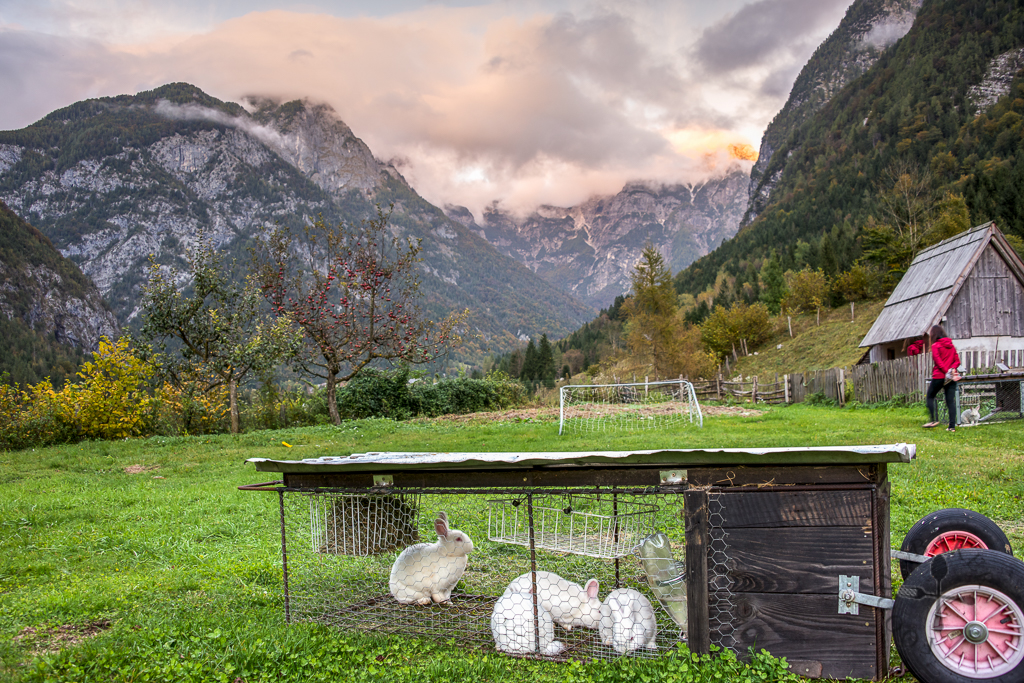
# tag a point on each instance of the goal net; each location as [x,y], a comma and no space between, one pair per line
[627,407]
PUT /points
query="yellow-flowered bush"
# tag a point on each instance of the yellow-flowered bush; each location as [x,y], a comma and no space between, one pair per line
[111,401]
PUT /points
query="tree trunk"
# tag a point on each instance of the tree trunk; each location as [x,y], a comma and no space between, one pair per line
[332,403]
[233,401]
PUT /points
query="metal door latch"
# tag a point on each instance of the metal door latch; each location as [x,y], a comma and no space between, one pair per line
[381,480]
[850,596]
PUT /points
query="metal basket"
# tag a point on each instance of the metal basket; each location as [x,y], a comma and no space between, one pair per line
[595,525]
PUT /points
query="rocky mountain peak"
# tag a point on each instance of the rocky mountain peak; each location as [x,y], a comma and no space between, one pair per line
[314,139]
[590,249]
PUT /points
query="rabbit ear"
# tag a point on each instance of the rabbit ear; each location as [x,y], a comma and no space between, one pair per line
[591,588]
[441,524]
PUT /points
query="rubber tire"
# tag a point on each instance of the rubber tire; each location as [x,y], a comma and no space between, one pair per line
[931,579]
[931,526]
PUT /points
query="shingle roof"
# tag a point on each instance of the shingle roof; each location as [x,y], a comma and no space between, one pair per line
[929,285]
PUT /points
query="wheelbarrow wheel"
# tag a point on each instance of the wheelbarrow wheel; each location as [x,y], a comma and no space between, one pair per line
[952,529]
[959,617]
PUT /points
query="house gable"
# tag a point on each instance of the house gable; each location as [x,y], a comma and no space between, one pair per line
[990,303]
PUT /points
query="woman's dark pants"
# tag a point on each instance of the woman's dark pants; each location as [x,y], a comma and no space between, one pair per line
[934,388]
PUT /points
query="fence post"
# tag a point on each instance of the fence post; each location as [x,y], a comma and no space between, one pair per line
[842,388]
[646,382]
[753,391]
[785,388]
[789,323]
[718,387]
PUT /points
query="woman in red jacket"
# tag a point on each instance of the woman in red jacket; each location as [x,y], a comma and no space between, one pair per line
[945,358]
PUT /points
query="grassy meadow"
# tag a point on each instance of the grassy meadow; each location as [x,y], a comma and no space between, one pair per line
[140,560]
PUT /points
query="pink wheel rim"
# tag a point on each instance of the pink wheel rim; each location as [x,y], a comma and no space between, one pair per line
[953,540]
[976,631]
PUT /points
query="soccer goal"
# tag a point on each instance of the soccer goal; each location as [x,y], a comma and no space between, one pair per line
[627,407]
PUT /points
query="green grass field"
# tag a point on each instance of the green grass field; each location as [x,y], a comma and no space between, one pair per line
[141,561]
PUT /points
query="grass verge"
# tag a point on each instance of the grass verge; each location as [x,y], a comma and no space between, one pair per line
[141,561]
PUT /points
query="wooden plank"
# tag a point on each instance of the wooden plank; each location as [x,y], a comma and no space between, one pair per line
[799,560]
[883,579]
[598,476]
[772,475]
[796,508]
[807,628]
[695,511]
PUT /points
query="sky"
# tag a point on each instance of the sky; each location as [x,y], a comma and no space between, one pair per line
[524,103]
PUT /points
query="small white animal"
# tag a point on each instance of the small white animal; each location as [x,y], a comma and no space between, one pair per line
[515,630]
[569,604]
[427,572]
[627,621]
[970,416]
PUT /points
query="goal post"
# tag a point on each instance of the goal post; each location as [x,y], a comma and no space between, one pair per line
[627,406]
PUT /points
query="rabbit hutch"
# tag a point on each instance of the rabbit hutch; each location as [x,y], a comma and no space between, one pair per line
[602,554]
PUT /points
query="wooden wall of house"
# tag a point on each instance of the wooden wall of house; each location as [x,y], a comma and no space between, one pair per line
[991,302]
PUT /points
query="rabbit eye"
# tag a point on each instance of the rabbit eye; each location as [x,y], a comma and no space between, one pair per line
[458,538]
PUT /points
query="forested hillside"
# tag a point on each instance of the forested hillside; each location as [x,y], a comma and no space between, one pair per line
[938,117]
[50,313]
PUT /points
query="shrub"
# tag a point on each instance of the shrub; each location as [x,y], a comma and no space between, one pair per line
[112,401]
[390,394]
[377,393]
[186,408]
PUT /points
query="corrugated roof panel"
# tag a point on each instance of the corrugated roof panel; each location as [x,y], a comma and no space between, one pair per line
[440,461]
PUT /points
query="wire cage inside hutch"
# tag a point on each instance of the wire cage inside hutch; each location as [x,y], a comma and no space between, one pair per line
[341,544]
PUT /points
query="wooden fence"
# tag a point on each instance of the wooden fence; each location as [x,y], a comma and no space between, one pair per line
[753,390]
[903,378]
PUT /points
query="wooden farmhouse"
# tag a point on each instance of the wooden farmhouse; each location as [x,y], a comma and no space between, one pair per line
[971,284]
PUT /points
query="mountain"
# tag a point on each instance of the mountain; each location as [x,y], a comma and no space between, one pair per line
[943,105]
[116,180]
[590,250]
[50,313]
[868,27]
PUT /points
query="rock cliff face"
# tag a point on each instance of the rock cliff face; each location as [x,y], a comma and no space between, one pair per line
[868,28]
[42,291]
[590,250]
[116,181]
[1001,72]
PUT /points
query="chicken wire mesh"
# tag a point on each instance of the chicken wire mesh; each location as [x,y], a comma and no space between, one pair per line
[721,607]
[423,564]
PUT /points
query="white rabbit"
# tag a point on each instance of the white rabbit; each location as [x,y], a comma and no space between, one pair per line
[627,621]
[512,626]
[970,416]
[569,603]
[428,571]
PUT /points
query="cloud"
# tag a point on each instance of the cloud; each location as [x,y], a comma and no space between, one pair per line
[474,104]
[194,112]
[884,34]
[765,31]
